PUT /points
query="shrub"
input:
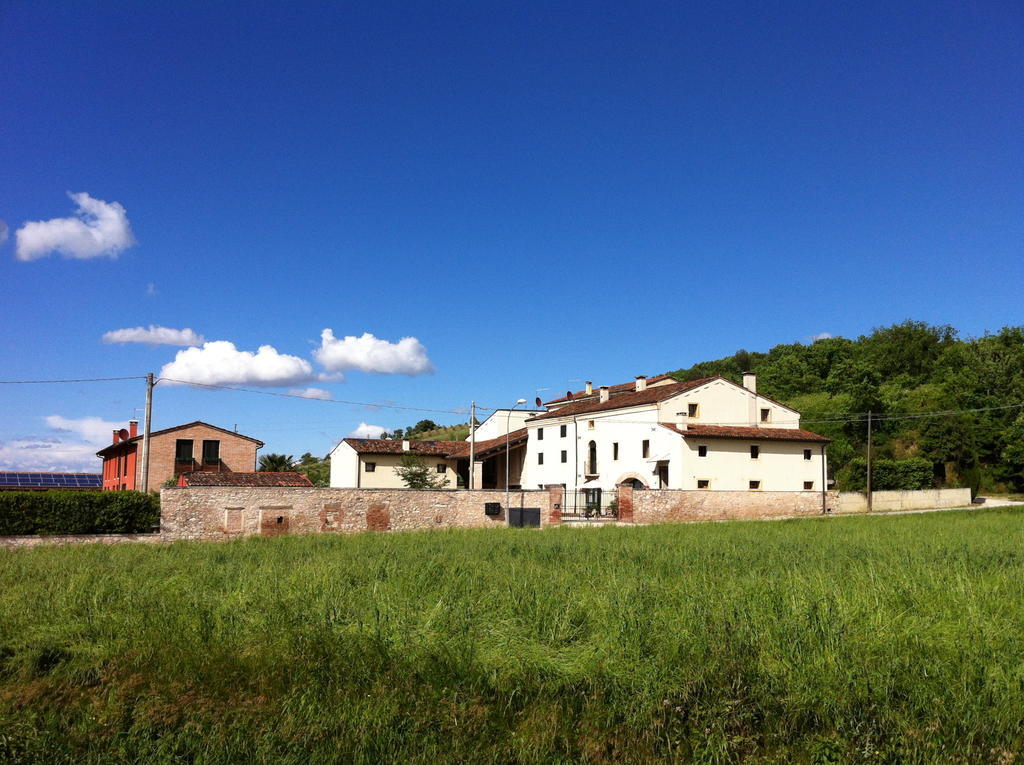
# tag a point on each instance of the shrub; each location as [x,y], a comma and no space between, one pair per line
[886,475]
[78,512]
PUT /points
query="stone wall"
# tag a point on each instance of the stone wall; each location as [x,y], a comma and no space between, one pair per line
[37,540]
[887,501]
[221,512]
[680,506]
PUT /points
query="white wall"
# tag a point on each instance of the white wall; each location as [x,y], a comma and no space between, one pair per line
[348,469]
[344,467]
[780,465]
[495,425]
[723,403]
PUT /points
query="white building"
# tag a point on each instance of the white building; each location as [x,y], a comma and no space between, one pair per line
[708,434]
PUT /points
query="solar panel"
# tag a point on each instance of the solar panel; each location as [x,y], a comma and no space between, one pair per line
[51,480]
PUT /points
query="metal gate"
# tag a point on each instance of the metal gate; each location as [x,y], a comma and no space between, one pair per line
[523,517]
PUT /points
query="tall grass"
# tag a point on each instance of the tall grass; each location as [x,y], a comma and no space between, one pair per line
[839,640]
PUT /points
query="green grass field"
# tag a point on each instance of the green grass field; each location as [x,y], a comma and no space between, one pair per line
[895,639]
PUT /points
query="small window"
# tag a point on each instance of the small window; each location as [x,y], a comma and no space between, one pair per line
[540,434]
[371,466]
[211,451]
[766,415]
[540,458]
[615,450]
[755,451]
[692,410]
[561,431]
[590,424]
[703,483]
[807,454]
[565,456]
[646,448]
[808,485]
[755,485]
[183,450]
[702,450]
[441,467]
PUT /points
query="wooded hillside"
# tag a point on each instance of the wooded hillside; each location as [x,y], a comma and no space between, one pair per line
[956,402]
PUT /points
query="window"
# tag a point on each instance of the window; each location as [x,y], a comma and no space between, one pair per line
[590,424]
[561,431]
[615,450]
[766,415]
[371,466]
[808,485]
[592,458]
[646,448]
[565,456]
[702,450]
[703,483]
[755,485]
[755,451]
[692,410]
[807,454]
[211,451]
[540,458]
[540,434]
[441,467]
[183,450]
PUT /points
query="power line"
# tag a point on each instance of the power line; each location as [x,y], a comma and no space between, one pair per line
[79,380]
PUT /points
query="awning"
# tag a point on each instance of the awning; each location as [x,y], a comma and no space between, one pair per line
[593,483]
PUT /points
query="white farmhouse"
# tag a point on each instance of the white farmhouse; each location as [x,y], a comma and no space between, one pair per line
[709,434]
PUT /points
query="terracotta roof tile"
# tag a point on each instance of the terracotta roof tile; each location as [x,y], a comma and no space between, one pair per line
[246,479]
[138,438]
[746,432]
[445,449]
[624,399]
[618,388]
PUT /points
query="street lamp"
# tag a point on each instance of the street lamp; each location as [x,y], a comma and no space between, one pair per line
[507,418]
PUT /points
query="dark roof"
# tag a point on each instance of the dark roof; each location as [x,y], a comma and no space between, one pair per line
[612,388]
[624,399]
[25,480]
[445,449]
[138,438]
[746,432]
[246,479]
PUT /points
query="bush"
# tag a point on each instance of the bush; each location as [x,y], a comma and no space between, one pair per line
[886,475]
[78,512]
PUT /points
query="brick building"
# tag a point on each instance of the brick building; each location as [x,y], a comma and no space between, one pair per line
[194,447]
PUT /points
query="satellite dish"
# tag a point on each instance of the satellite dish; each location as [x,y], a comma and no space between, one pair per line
[568,395]
[537,401]
[122,434]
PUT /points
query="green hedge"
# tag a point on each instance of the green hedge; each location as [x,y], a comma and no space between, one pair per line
[78,512]
[887,475]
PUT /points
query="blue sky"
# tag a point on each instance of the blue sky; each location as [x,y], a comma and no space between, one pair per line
[538,193]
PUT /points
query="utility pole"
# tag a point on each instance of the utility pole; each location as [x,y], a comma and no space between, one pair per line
[869,461]
[472,445]
[150,384]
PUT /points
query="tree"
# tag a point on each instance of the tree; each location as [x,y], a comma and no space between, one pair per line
[416,474]
[276,463]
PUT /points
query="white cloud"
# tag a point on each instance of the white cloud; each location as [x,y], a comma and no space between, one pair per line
[91,429]
[99,228]
[821,336]
[49,453]
[154,335]
[367,431]
[219,363]
[316,393]
[371,354]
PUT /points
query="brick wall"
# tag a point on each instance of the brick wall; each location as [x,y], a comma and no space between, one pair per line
[237,455]
[677,506]
[219,512]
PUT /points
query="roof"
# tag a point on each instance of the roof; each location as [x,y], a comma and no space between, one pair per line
[627,398]
[444,449]
[152,433]
[612,388]
[747,432]
[245,479]
[19,480]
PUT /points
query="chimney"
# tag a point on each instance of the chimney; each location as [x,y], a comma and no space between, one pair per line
[604,393]
[590,387]
[641,382]
[682,420]
[116,437]
[133,428]
[750,381]
[405,445]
